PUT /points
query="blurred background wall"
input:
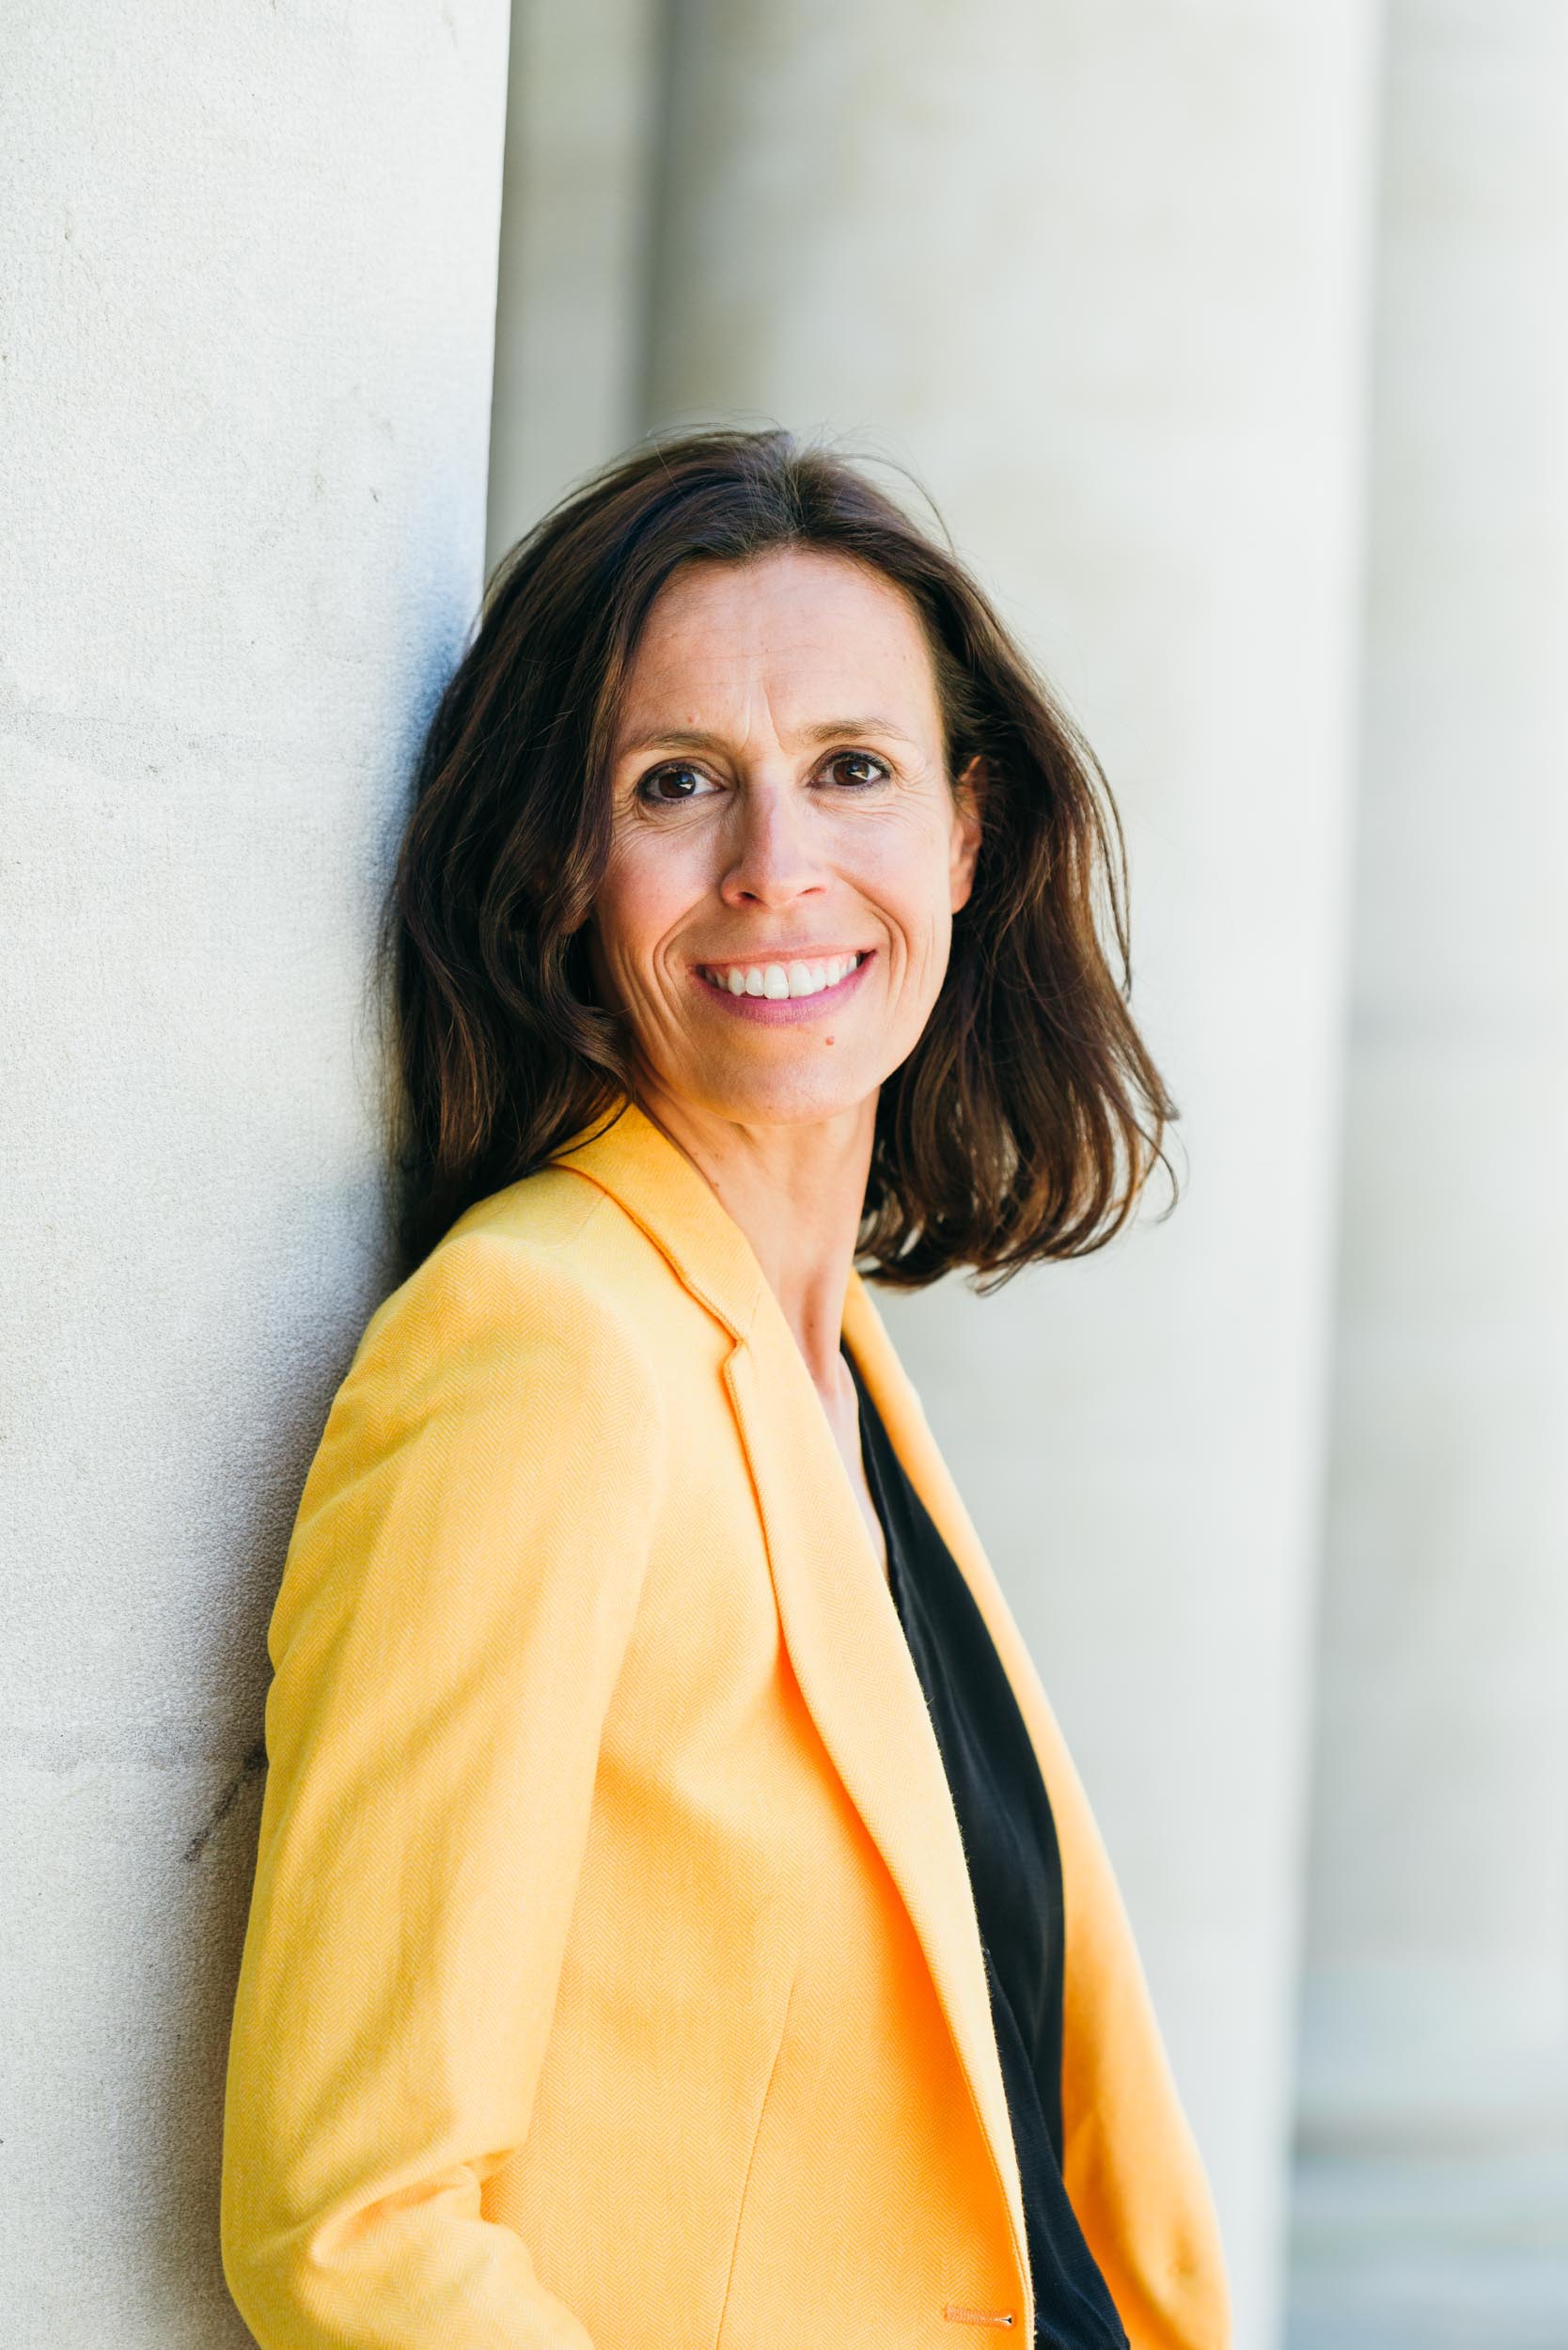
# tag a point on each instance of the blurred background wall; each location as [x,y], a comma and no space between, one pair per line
[1229,338]
[1433,2119]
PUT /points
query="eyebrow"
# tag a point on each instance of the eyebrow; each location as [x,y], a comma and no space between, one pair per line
[831,729]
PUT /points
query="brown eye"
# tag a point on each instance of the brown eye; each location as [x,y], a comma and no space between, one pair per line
[667,786]
[856,770]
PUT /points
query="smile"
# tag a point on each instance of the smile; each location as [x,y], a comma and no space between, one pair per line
[779,980]
[779,994]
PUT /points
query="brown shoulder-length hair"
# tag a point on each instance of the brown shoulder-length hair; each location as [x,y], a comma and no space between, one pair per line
[1028,1119]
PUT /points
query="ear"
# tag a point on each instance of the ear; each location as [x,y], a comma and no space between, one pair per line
[968,791]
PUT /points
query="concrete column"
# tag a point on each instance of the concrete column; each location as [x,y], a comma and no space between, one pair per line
[1436,1993]
[1097,274]
[570,333]
[249,286]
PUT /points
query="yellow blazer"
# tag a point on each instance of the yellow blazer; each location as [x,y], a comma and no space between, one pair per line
[612,1979]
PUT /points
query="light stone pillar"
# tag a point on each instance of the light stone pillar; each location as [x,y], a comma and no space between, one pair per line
[247,273]
[1097,274]
[571,338]
[1436,2006]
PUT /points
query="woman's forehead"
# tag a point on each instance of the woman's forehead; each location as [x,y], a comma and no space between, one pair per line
[821,639]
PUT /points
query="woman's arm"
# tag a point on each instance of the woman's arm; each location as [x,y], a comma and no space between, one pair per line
[457,1599]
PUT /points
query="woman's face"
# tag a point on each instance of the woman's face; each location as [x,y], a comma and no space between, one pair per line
[787,854]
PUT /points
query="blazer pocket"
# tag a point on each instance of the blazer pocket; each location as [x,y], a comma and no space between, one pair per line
[750,2160]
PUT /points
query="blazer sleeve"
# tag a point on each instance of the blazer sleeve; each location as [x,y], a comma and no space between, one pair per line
[457,1599]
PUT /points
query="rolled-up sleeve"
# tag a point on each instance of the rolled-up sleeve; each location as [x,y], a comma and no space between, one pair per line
[457,1599]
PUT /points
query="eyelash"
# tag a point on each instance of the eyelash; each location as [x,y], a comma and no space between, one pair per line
[682,766]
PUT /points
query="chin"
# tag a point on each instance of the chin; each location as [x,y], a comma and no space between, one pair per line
[784,1098]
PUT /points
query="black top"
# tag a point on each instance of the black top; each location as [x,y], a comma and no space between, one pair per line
[1009,1834]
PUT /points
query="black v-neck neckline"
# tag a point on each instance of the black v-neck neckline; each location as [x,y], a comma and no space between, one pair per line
[1009,1834]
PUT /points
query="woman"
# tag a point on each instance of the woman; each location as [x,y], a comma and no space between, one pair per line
[676,1918]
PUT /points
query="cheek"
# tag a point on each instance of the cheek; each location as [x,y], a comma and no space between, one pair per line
[907,870]
[640,899]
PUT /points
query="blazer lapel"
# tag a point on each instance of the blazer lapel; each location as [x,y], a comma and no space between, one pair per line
[845,1643]
[858,1678]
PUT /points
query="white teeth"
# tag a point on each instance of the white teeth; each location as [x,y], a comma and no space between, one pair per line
[777,980]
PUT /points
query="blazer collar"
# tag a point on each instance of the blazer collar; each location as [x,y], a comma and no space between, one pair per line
[840,1624]
[626,1154]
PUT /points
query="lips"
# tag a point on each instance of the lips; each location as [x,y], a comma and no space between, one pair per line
[789,979]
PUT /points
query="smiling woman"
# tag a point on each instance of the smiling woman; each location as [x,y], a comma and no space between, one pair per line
[677,1916]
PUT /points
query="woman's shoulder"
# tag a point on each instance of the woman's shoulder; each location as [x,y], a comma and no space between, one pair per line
[542,1280]
[502,1394]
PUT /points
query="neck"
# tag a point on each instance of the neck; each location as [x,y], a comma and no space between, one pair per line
[797,1193]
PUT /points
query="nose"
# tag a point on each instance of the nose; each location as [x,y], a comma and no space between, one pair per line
[770,859]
